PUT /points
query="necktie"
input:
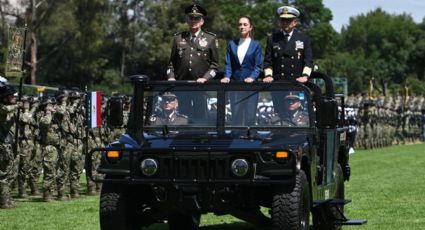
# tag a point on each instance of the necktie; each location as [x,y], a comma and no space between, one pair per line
[192,39]
[286,37]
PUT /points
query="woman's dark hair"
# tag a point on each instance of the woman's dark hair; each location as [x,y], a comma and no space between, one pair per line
[251,34]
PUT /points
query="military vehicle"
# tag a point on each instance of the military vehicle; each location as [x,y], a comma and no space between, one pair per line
[272,173]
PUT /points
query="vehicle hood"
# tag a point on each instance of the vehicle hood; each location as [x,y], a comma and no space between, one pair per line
[264,140]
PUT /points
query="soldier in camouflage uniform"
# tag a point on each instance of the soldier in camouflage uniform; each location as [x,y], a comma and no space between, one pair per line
[36,160]
[50,141]
[357,100]
[94,141]
[77,158]
[66,145]
[26,146]
[8,160]
[398,108]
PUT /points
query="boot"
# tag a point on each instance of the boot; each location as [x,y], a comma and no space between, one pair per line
[98,187]
[3,202]
[91,191]
[75,194]
[6,202]
[34,188]
[11,203]
[62,196]
[22,193]
[47,196]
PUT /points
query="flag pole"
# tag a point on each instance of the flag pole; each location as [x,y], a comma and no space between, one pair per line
[21,81]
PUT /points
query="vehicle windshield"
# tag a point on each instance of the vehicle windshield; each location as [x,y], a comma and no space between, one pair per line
[241,109]
[267,108]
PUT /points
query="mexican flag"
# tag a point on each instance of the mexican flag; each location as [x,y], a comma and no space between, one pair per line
[94,109]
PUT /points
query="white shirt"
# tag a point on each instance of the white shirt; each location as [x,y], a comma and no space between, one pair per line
[195,34]
[243,48]
[289,34]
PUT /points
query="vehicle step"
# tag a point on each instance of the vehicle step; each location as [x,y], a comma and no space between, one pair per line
[351,222]
[332,201]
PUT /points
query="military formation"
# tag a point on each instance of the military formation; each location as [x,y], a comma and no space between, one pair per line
[48,159]
[385,120]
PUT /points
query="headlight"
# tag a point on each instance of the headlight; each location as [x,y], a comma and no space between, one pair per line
[149,167]
[240,167]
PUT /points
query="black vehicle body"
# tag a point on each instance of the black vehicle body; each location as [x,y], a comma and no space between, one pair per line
[214,166]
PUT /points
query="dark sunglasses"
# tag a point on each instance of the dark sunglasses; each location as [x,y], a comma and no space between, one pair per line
[195,18]
[168,98]
[291,101]
[287,19]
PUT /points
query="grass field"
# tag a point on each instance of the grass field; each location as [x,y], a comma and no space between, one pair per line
[387,188]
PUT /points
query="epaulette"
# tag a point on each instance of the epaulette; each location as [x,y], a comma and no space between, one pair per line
[178,33]
[182,115]
[207,32]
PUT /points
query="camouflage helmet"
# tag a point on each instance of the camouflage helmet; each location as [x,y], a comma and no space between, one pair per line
[47,100]
[26,98]
[6,90]
[62,93]
[34,100]
[75,95]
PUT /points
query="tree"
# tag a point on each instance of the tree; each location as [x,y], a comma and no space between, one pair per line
[378,46]
[373,35]
[78,27]
[315,20]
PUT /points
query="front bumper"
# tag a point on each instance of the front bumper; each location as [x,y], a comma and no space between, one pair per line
[189,166]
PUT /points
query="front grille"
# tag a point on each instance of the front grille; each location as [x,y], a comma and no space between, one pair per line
[198,166]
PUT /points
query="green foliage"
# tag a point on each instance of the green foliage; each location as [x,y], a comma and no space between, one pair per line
[94,42]
[389,45]
[315,19]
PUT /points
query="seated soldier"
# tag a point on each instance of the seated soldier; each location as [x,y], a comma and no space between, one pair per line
[169,114]
[293,115]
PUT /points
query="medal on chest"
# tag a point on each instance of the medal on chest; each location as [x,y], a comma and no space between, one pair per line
[203,42]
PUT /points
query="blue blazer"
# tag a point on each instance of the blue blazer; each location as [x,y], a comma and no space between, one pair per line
[251,65]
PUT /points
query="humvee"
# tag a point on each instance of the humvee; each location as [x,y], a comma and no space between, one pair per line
[270,172]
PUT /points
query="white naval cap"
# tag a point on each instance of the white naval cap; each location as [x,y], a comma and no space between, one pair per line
[288,12]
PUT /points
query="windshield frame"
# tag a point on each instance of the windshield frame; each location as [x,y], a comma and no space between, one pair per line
[220,128]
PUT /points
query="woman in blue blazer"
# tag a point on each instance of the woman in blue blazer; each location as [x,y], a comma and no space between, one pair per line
[243,62]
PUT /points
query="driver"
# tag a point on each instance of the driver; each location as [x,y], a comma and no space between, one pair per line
[169,114]
[293,116]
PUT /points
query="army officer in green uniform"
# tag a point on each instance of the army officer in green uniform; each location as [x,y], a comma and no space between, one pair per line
[194,56]
[169,114]
[293,116]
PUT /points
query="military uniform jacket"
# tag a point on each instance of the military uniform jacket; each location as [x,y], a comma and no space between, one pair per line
[190,61]
[26,120]
[49,130]
[287,59]
[174,119]
[7,121]
[298,119]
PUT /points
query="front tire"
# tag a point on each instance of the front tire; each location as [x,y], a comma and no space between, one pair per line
[180,221]
[118,208]
[291,210]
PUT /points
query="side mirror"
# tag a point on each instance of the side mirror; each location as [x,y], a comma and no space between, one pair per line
[327,113]
[115,112]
